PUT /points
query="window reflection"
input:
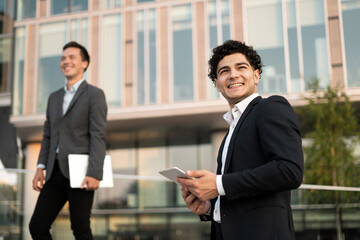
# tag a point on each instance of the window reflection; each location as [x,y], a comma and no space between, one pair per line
[52,37]
[306,43]
[5,61]
[314,43]
[111,3]
[68,6]
[6,16]
[140,57]
[79,31]
[351,18]
[219,31]
[19,59]
[112,63]
[296,72]
[124,193]
[25,9]
[182,52]
[147,152]
[142,1]
[151,193]
[146,56]
[265,33]
[225,19]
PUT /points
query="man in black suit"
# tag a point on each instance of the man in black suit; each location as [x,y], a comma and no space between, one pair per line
[260,159]
[75,124]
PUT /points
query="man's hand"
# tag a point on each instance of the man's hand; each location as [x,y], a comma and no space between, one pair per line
[203,186]
[39,178]
[195,204]
[90,183]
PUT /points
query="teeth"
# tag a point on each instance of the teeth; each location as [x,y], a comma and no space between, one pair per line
[235,85]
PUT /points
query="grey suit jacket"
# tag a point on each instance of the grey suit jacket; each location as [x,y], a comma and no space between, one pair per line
[81,130]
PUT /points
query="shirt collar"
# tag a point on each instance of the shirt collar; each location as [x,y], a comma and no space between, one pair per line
[75,87]
[238,109]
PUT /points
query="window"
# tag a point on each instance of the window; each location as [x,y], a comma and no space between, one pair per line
[19,61]
[5,61]
[219,30]
[316,60]
[305,45]
[79,30]
[52,39]
[146,56]
[142,1]
[293,28]
[25,9]
[351,18]
[111,3]
[6,16]
[68,6]
[112,63]
[265,34]
[183,79]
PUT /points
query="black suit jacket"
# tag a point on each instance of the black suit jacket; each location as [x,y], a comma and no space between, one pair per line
[264,162]
[82,130]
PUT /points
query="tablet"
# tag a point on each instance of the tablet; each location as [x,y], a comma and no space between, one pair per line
[78,164]
[173,173]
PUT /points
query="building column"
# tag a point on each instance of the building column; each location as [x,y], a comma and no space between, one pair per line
[336,58]
[30,195]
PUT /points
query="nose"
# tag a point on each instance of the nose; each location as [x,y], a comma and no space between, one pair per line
[234,74]
[64,60]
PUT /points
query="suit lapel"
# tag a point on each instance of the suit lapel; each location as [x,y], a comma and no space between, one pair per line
[77,95]
[219,157]
[60,103]
[236,131]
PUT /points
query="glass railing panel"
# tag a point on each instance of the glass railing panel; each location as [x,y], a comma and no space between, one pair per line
[150,207]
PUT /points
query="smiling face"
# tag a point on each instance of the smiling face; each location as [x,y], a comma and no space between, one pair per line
[72,65]
[236,79]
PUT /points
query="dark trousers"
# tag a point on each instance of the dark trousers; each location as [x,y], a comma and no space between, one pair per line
[218,231]
[55,193]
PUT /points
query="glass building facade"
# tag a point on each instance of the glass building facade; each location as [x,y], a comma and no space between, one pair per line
[150,58]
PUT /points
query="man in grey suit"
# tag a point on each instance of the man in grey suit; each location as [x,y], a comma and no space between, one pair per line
[75,124]
[260,159]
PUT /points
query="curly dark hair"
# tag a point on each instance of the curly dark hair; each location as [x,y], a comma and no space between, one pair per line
[83,52]
[230,47]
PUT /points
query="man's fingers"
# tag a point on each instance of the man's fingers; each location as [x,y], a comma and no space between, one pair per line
[196,173]
[83,184]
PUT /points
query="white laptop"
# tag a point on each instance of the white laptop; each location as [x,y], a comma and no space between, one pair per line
[78,164]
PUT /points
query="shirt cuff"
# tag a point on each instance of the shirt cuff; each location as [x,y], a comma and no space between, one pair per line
[40,165]
[219,185]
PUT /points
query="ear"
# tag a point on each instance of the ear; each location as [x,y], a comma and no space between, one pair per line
[256,76]
[216,84]
[85,64]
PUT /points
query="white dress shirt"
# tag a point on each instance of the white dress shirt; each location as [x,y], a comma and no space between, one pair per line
[232,117]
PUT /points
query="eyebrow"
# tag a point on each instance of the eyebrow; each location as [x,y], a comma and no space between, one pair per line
[70,55]
[236,64]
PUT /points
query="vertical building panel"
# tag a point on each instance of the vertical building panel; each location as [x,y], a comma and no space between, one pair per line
[200,50]
[94,50]
[94,5]
[42,6]
[163,55]
[29,81]
[237,26]
[128,60]
[337,68]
